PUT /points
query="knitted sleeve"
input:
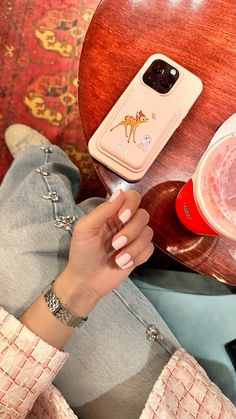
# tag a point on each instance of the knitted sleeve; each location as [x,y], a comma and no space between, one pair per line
[27,367]
[183,390]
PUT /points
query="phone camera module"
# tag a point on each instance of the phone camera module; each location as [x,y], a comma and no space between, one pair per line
[161,76]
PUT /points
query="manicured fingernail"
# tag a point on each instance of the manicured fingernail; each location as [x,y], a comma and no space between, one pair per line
[123,260]
[125,215]
[114,195]
[120,242]
[127,265]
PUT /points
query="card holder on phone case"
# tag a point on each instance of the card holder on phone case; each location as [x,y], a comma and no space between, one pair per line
[137,130]
[145,116]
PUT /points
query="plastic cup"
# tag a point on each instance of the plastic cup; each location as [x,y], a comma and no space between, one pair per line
[206,204]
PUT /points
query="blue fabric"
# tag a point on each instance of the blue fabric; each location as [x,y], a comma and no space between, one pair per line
[201,323]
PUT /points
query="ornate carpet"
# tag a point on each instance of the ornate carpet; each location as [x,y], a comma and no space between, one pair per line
[40,46]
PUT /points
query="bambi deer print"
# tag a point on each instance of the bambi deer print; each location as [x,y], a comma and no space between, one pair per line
[133,123]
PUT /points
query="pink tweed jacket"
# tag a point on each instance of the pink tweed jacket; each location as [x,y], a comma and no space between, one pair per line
[28,366]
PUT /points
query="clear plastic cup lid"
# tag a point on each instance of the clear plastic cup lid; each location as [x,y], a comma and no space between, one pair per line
[215,186]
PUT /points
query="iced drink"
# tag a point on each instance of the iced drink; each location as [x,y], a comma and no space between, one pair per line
[207,203]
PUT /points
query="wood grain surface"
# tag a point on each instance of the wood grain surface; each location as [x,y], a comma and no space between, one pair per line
[201,36]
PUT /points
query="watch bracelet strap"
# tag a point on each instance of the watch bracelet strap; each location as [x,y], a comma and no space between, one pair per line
[61,311]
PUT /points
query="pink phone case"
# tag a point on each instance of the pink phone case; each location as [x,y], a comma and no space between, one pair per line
[142,121]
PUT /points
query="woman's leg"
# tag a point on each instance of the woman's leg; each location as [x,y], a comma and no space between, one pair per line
[202,323]
[20,138]
[112,366]
[37,209]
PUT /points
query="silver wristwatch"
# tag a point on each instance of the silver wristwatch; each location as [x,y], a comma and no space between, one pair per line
[61,311]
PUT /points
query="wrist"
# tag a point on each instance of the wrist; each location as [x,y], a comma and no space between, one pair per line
[74,294]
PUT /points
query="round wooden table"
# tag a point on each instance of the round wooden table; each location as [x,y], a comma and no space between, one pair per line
[201,36]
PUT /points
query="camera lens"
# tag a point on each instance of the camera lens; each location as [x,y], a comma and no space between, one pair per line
[166,82]
[159,66]
[147,78]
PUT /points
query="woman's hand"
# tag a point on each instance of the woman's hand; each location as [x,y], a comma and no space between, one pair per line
[106,246]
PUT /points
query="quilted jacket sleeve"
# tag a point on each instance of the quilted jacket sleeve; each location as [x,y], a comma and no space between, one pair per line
[27,367]
[183,390]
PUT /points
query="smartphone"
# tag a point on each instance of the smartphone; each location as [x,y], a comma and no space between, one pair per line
[144,117]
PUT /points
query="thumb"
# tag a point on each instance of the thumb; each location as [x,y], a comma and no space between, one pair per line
[100,215]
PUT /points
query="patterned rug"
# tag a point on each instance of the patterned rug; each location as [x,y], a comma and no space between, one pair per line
[40,46]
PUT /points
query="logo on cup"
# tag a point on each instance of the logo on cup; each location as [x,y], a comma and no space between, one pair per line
[187,211]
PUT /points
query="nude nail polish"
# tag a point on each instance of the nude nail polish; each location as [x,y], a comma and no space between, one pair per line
[125,216]
[119,242]
[123,260]
[128,265]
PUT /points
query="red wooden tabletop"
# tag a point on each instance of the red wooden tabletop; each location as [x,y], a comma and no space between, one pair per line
[201,36]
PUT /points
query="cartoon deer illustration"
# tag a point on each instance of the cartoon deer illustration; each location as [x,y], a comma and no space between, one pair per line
[133,123]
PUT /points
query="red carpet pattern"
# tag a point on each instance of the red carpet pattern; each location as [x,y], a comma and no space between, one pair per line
[40,46]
